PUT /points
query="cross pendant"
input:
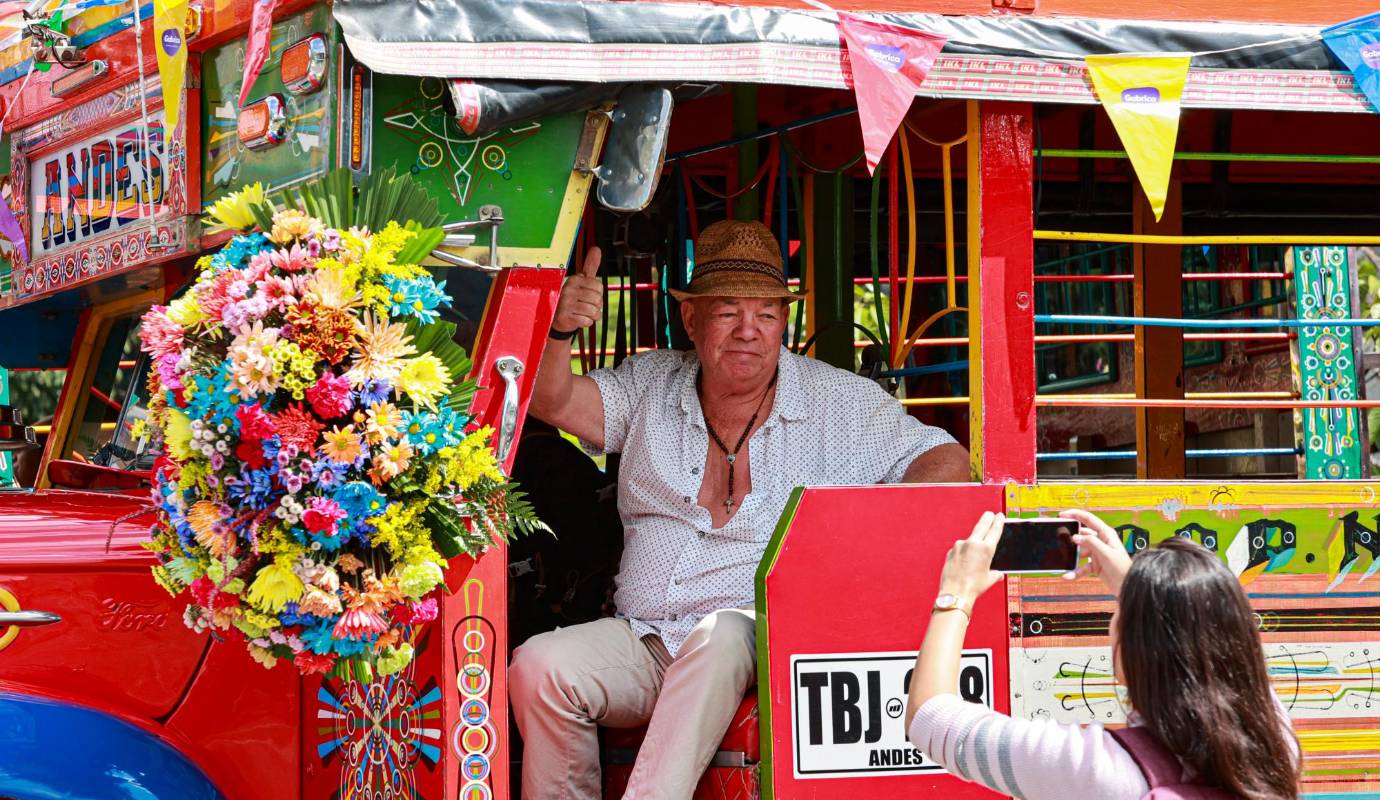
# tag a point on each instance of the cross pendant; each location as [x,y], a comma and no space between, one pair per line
[732,457]
[728,504]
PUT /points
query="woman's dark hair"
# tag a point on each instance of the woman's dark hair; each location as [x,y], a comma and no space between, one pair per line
[1192,660]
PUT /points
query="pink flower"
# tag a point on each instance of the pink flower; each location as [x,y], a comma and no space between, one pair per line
[278,292]
[330,396]
[358,623]
[160,335]
[255,425]
[415,613]
[168,372]
[321,515]
[292,259]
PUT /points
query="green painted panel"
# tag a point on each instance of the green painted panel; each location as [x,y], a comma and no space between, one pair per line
[525,170]
[226,164]
[1326,364]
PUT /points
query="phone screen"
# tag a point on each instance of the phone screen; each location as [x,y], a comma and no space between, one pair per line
[1036,545]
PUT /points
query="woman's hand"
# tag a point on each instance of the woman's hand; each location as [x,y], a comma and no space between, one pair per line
[968,568]
[1100,544]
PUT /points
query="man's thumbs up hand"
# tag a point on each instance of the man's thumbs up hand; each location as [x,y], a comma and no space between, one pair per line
[582,297]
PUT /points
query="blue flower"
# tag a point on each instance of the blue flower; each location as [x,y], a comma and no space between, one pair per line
[254,488]
[360,500]
[289,616]
[414,297]
[374,392]
[327,474]
[318,638]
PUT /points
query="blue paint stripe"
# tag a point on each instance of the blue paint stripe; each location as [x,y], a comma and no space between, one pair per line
[325,696]
[428,698]
[431,753]
[326,748]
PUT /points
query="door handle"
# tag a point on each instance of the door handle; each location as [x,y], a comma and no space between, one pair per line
[509,368]
[28,619]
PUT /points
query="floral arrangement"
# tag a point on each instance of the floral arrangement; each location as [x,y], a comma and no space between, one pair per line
[317,469]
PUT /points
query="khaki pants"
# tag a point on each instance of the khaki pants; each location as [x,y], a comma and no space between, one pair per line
[565,683]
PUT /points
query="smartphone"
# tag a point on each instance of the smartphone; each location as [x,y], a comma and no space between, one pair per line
[1036,545]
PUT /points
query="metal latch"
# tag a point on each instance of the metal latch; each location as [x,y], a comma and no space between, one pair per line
[510,369]
[458,235]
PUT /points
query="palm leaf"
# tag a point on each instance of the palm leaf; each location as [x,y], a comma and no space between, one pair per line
[420,245]
[387,196]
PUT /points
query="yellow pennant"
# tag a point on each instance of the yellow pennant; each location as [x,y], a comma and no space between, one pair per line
[1141,95]
[170,45]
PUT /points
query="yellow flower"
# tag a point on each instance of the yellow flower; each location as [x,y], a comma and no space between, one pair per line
[392,461]
[185,311]
[331,287]
[384,419]
[263,656]
[393,659]
[178,435]
[418,579]
[275,586]
[232,211]
[424,379]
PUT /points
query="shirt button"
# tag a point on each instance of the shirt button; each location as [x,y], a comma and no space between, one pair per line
[673,618]
[687,499]
[678,581]
[694,470]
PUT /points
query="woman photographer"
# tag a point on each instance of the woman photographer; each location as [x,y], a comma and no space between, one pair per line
[1204,720]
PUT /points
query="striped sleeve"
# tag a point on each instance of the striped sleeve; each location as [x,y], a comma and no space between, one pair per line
[1036,760]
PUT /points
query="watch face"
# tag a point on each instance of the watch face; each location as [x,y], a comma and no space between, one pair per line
[945,600]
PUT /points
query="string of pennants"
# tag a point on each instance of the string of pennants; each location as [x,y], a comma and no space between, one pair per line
[1140,92]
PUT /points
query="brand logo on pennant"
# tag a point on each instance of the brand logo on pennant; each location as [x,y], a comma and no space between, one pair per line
[1370,54]
[172,41]
[888,57]
[1141,95]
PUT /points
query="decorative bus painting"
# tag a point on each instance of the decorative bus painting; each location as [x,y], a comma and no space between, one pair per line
[1200,373]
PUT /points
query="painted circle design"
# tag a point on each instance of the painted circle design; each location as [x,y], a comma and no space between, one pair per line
[432,88]
[473,641]
[474,712]
[1328,346]
[474,740]
[475,791]
[473,680]
[430,154]
[475,767]
[494,157]
[1334,469]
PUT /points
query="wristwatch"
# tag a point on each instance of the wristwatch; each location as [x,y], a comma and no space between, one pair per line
[950,602]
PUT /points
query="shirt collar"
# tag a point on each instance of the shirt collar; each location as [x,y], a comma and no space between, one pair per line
[789,404]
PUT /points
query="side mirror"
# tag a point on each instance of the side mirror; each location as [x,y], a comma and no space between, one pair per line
[636,147]
[14,434]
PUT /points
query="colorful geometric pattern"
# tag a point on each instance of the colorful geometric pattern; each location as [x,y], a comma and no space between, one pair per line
[474,738]
[1307,553]
[1326,363]
[379,731]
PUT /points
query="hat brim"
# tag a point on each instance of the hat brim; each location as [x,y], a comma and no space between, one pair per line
[736,287]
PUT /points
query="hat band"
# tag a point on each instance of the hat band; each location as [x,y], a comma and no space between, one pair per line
[754,267]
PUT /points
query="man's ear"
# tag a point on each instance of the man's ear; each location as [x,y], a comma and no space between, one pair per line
[687,316]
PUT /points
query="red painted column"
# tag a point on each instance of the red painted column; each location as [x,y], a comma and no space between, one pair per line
[1002,304]
[474,619]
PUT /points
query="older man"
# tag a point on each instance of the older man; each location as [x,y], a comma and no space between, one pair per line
[713,443]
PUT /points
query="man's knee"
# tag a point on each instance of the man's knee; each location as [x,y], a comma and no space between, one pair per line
[728,636]
[536,663]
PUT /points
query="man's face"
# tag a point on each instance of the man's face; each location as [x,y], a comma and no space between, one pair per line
[738,339]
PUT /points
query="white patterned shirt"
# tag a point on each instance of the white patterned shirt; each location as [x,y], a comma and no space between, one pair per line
[827,427]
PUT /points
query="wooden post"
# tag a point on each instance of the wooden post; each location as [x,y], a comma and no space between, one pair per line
[831,285]
[1159,353]
[1001,307]
[746,206]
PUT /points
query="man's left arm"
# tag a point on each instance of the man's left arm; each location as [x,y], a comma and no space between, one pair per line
[945,463]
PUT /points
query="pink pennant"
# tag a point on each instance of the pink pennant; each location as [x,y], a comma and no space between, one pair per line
[256,50]
[889,63]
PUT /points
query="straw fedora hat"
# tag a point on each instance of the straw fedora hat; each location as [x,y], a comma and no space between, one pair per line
[737,259]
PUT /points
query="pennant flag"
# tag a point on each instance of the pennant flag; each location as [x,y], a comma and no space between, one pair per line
[170,45]
[1357,45]
[9,225]
[889,63]
[1141,95]
[256,50]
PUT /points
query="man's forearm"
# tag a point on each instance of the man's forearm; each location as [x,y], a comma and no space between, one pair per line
[947,463]
[555,382]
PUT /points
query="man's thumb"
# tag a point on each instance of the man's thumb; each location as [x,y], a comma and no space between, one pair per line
[590,267]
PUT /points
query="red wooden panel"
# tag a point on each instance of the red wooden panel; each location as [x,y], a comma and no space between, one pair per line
[856,570]
[1008,294]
